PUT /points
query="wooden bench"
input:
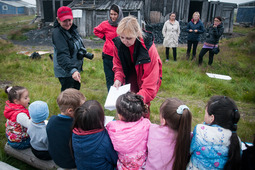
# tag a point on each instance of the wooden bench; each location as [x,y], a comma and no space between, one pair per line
[5,166]
[28,157]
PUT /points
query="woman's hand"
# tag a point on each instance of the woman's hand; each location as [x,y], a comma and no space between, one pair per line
[190,30]
[117,84]
[76,76]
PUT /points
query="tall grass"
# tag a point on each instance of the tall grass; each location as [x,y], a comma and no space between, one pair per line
[182,79]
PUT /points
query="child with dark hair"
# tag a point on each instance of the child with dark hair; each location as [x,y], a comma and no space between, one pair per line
[17,116]
[129,134]
[91,144]
[59,128]
[215,144]
[169,143]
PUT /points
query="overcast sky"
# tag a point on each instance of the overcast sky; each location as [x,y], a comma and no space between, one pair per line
[232,1]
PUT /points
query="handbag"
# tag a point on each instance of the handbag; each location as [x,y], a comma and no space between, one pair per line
[215,50]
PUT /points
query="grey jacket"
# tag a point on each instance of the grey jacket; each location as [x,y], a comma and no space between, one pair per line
[66,45]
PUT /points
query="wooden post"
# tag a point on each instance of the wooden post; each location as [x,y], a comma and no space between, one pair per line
[28,157]
[53,10]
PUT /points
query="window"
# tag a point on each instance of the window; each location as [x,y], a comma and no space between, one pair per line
[5,7]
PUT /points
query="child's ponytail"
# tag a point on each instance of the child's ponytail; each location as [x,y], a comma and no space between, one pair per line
[178,118]
[226,115]
[182,145]
[234,156]
[14,92]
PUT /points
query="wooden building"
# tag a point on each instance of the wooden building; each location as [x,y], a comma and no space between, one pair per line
[16,7]
[246,13]
[89,13]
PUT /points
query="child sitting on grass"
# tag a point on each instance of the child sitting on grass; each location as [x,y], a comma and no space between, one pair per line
[39,112]
[129,134]
[169,143]
[215,144]
[91,143]
[59,128]
[17,116]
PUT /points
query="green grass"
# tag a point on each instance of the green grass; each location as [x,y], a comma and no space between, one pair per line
[182,79]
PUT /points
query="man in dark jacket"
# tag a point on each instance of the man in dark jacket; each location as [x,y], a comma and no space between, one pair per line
[67,42]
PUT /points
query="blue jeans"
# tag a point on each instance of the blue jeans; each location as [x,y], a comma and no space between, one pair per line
[20,145]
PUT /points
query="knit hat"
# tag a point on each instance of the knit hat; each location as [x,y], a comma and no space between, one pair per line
[64,13]
[38,111]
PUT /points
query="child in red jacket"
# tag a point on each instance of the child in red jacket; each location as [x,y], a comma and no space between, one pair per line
[17,117]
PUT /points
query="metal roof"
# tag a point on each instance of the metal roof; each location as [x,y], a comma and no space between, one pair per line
[18,4]
[106,5]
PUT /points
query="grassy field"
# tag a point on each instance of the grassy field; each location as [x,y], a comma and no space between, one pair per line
[182,79]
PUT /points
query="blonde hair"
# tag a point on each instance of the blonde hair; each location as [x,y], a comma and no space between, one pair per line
[130,26]
[196,13]
[70,98]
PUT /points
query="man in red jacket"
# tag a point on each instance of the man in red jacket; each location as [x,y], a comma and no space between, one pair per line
[136,60]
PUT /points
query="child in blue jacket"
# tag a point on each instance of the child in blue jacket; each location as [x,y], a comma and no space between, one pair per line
[92,146]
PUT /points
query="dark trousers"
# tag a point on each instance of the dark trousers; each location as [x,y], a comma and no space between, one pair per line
[203,52]
[174,53]
[69,82]
[194,51]
[109,74]
[43,155]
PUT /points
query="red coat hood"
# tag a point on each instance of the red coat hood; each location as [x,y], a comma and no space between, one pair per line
[11,110]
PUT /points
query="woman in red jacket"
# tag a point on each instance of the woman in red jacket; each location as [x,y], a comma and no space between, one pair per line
[136,60]
[107,31]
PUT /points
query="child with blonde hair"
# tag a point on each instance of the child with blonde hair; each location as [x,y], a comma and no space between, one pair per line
[17,116]
[129,134]
[215,144]
[169,143]
[59,128]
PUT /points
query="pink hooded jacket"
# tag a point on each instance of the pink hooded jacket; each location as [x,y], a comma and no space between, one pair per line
[129,139]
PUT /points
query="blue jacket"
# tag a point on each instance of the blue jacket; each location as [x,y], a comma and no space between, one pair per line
[209,147]
[195,36]
[66,45]
[94,151]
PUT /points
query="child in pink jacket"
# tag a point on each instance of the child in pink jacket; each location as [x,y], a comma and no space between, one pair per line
[169,143]
[129,134]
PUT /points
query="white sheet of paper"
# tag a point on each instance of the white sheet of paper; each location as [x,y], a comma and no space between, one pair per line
[113,95]
[107,119]
[219,76]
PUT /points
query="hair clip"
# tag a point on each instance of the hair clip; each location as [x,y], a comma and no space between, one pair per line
[181,108]
[9,89]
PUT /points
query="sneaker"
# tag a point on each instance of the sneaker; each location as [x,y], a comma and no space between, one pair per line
[167,60]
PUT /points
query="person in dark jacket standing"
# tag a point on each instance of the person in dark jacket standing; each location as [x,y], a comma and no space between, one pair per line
[136,60]
[107,31]
[67,42]
[194,28]
[212,40]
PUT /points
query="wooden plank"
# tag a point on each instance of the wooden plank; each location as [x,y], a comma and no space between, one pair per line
[5,166]
[28,157]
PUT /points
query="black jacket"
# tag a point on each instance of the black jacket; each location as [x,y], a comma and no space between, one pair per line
[66,45]
[214,34]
